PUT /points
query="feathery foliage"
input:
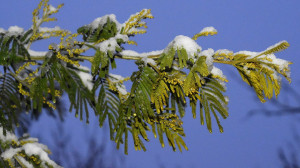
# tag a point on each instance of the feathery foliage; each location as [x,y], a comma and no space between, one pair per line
[156,101]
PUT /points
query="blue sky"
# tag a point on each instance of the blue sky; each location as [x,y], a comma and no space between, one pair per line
[250,25]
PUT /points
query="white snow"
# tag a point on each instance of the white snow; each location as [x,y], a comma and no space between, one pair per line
[2,30]
[185,42]
[52,8]
[111,43]
[15,30]
[122,89]
[116,78]
[149,60]
[208,29]
[38,149]
[10,153]
[37,53]
[209,57]
[29,148]
[47,29]
[226,99]
[277,44]
[275,75]
[282,64]
[224,51]
[86,79]
[218,72]
[25,162]
[84,68]
[248,53]
[30,138]
[144,54]
[122,36]
[130,53]
[9,136]
[100,21]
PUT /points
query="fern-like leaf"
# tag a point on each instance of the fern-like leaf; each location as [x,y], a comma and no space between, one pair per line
[212,100]
[10,104]
[12,50]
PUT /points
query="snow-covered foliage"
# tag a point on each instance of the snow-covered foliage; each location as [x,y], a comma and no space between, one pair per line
[118,81]
[101,21]
[111,44]
[208,30]
[37,53]
[209,57]
[24,151]
[143,55]
[205,32]
[2,30]
[48,29]
[86,76]
[15,30]
[162,85]
[179,42]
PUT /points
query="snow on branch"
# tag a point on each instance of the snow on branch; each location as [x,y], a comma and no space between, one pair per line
[25,151]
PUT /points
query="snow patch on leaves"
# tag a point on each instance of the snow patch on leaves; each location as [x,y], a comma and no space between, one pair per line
[185,42]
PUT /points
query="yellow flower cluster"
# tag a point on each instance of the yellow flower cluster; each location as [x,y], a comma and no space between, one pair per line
[99,41]
[124,80]
[112,85]
[23,66]
[205,33]
[35,159]
[37,21]
[193,94]
[267,59]
[36,10]
[49,19]
[81,43]
[13,106]
[70,37]
[10,163]
[75,51]
[49,103]
[48,34]
[14,143]
[137,32]
[169,120]
[57,93]
[135,21]
[53,12]
[22,154]
[174,81]
[23,92]
[209,33]
[67,60]
[131,42]
[142,25]
[69,48]
[219,77]
[31,78]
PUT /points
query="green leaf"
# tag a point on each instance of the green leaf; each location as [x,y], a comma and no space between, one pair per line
[105,31]
[211,100]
